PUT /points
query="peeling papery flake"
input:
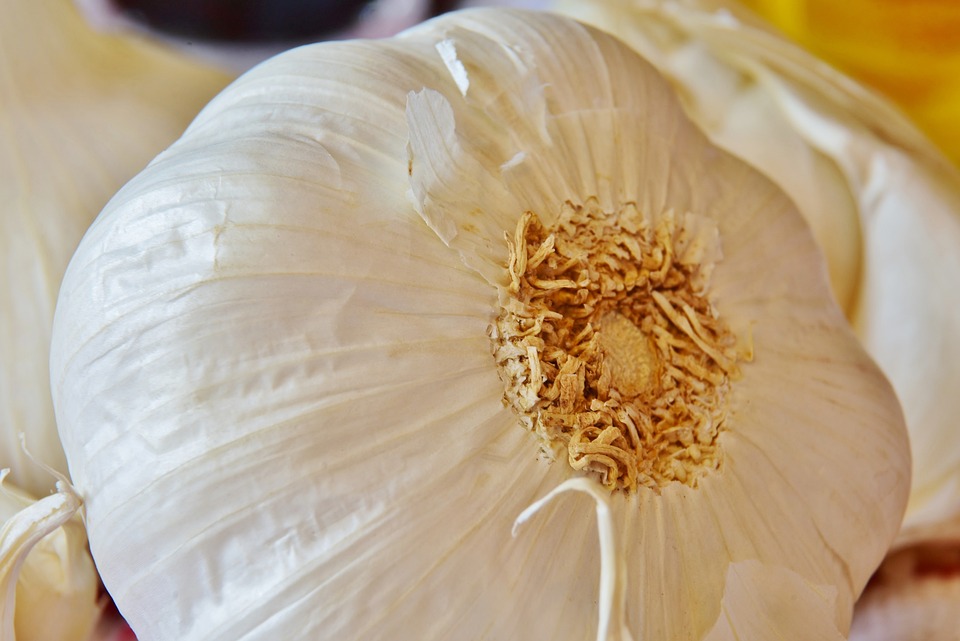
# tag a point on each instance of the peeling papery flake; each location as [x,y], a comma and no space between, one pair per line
[431,123]
[444,177]
[448,52]
[515,161]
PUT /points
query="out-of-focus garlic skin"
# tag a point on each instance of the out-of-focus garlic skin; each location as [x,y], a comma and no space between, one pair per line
[906,50]
[915,596]
[884,203]
[81,113]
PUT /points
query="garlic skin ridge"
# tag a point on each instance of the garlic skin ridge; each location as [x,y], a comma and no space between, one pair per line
[282,323]
[884,203]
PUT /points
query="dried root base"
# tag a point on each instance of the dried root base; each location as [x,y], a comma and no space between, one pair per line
[609,348]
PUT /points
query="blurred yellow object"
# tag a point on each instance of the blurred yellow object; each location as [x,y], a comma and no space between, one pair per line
[907,49]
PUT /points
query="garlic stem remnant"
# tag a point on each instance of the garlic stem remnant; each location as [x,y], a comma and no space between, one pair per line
[609,347]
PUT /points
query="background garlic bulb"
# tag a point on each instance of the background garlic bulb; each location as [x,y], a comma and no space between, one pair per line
[885,205]
[82,113]
[906,50]
[913,597]
[313,363]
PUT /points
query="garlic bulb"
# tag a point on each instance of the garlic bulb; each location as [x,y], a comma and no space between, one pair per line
[883,203]
[313,363]
[50,586]
[81,114]
[915,596]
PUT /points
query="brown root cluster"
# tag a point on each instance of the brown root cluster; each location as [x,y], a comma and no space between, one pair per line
[609,348]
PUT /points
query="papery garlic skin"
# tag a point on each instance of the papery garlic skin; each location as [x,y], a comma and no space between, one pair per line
[785,602]
[924,610]
[276,389]
[81,113]
[49,583]
[884,203]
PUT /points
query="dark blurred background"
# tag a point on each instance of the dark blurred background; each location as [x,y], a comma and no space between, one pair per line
[269,21]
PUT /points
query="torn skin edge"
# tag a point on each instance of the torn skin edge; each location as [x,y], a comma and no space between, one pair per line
[448,53]
[431,123]
[612,601]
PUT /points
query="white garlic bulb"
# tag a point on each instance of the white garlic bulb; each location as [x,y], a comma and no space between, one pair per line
[312,364]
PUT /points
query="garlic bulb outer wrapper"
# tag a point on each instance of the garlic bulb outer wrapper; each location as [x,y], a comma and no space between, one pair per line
[283,323]
[82,112]
[885,202]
